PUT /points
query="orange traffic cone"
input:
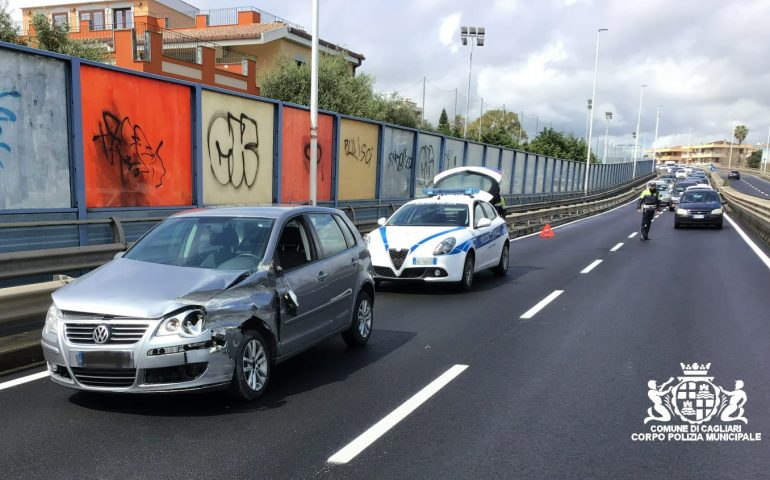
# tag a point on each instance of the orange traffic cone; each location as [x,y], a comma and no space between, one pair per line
[547,232]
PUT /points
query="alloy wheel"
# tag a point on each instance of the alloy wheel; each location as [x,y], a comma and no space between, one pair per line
[255,365]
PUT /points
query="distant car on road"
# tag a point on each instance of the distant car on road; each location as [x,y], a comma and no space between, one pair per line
[677,190]
[680,173]
[734,175]
[664,193]
[446,237]
[699,206]
[212,298]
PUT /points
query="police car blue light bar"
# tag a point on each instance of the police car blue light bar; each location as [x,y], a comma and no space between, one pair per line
[432,192]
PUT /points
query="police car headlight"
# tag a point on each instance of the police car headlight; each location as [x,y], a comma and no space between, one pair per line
[52,320]
[716,211]
[445,246]
[682,211]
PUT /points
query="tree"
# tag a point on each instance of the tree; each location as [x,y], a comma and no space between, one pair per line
[54,39]
[338,90]
[556,144]
[754,159]
[443,123]
[741,132]
[7,31]
[458,125]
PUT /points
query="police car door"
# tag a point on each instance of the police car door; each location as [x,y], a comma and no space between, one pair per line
[481,236]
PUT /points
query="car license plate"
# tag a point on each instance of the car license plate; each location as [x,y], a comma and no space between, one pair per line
[698,217]
[99,359]
[423,261]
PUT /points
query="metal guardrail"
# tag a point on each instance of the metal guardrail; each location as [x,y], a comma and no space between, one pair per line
[754,211]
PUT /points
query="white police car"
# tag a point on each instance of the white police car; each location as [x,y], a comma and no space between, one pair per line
[446,237]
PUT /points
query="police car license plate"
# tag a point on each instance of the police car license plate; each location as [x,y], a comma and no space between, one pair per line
[698,217]
[423,261]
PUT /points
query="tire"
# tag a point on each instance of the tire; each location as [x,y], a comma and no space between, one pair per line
[377,283]
[677,226]
[363,319]
[253,367]
[468,269]
[718,226]
[502,266]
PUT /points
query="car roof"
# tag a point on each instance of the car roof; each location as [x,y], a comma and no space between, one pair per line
[261,211]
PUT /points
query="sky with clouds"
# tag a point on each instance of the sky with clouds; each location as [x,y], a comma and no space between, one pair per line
[703,60]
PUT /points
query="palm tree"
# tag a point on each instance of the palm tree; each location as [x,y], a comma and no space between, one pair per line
[741,132]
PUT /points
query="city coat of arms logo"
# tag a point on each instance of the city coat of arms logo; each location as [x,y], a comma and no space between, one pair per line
[695,399]
[693,408]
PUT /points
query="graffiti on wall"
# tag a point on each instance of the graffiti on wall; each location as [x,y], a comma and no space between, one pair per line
[358,149]
[397,163]
[6,115]
[34,132]
[125,146]
[295,156]
[400,161]
[137,143]
[454,150]
[238,150]
[233,149]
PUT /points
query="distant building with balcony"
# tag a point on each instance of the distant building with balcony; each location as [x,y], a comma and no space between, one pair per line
[182,37]
[717,152]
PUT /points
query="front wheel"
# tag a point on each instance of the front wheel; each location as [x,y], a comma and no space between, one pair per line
[467,281]
[253,366]
[363,317]
[502,266]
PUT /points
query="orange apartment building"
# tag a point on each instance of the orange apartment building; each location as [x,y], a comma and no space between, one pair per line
[227,48]
[717,152]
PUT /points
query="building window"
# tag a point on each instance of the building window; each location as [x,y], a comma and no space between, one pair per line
[60,19]
[123,18]
[95,19]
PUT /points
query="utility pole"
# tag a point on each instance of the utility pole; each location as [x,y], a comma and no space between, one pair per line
[476,35]
[521,125]
[638,124]
[422,119]
[455,114]
[314,105]
[654,147]
[767,152]
[608,116]
[481,117]
[732,134]
[590,113]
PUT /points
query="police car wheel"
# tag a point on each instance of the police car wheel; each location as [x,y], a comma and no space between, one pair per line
[502,266]
[467,281]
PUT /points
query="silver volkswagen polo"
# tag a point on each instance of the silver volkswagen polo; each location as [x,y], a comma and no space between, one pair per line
[212,298]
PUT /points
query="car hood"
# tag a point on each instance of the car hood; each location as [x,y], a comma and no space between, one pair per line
[700,205]
[131,288]
[412,237]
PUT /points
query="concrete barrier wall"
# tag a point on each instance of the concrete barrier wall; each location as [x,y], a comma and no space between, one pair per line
[136,142]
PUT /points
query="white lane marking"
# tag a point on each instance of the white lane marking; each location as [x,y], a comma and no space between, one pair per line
[349,451]
[616,247]
[591,266]
[541,304]
[633,235]
[762,256]
[22,380]
[574,221]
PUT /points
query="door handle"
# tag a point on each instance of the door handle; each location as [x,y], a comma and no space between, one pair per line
[322,276]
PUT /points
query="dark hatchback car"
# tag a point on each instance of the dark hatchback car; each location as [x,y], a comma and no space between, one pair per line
[734,175]
[699,207]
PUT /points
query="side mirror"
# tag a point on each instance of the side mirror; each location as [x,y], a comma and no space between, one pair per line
[483,222]
[118,255]
[381,221]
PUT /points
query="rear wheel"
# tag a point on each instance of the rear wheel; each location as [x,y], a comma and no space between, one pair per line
[253,366]
[467,281]
[502,265]
[363,318]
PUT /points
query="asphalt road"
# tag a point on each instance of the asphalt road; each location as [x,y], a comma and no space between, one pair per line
[751,185]
[557,395]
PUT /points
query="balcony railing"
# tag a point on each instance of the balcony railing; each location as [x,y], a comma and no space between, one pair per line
[229,16]
[185,47]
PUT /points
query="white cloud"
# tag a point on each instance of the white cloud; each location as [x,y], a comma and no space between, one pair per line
[447,31]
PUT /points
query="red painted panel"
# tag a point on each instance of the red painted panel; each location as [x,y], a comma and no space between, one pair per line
[136,140]
[295,164]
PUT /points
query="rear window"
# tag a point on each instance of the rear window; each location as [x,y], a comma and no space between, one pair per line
[467,180]
[700,196]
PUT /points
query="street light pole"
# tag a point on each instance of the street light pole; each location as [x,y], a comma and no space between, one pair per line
[767,151]
[591,118]
[476,35]
[314,106]
[638,125]
[732,134]
[608,116]
[654,148]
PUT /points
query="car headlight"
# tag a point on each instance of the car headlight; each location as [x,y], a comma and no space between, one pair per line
[52,320]
[186,324]
[445,246]
[682,211]
[716,211]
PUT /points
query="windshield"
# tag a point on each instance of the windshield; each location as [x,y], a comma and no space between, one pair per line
[662,187]
[222,243]
[700,196]
[431,215]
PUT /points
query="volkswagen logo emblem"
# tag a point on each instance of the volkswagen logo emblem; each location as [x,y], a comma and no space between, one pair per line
[101,334]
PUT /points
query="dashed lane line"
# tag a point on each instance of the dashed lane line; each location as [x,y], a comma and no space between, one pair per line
[590,267]
[23,380]
[349,451]
[633,235]
[541,304]
[616,247]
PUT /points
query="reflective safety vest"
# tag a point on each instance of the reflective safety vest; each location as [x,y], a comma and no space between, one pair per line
[648,198]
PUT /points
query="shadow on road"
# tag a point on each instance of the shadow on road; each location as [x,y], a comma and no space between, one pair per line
[330,362]
[482,281]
